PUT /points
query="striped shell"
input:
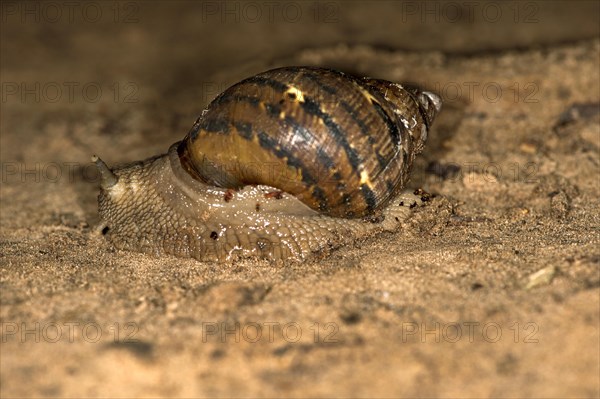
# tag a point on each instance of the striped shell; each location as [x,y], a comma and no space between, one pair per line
[343,146]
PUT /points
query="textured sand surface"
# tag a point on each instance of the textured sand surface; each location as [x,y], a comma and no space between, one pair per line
[489,290]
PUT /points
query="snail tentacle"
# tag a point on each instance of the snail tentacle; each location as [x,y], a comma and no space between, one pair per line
[107,177]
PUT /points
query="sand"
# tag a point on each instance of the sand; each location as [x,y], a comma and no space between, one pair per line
[489,290]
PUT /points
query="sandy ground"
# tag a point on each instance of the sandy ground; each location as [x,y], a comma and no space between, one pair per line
[490,290]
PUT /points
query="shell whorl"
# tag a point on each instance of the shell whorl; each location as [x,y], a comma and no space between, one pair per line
[344,146]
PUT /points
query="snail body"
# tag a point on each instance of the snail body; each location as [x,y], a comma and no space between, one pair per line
[284,164]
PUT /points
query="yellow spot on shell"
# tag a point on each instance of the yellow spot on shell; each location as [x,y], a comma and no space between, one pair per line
[282,115]
[296,92]
[364,179]
[368,95]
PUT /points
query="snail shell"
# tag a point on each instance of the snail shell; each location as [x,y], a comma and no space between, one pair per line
[284,164]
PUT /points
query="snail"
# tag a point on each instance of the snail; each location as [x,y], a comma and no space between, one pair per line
[285,164]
